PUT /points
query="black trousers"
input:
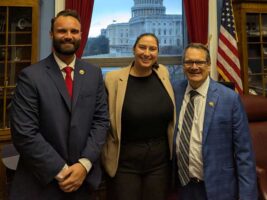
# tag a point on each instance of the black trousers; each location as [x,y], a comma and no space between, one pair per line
[143,172]
[193,191]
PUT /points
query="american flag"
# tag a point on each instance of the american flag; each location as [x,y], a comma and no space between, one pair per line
[227,58]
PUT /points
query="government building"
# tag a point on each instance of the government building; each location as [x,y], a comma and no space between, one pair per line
[148,16]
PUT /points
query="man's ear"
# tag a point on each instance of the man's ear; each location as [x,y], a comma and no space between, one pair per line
[51,35]
[209,68]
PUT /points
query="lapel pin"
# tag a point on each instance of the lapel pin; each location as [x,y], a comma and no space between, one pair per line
[82,72]
[211,104]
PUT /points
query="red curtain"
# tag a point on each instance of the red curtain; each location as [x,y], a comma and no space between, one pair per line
[85,10]
[196,12]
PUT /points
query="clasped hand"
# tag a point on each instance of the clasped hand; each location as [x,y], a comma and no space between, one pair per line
[73,177]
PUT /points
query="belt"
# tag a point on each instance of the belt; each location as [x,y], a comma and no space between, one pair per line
[195,180]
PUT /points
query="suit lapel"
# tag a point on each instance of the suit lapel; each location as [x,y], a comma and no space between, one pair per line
[79,73]
[179,91]
[212,98]
[122,85]
[179,96]
[56,76]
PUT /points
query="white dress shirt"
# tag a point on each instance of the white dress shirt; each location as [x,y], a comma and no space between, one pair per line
[84,161]
[195,147]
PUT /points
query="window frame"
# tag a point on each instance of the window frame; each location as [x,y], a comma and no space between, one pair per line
[125,61]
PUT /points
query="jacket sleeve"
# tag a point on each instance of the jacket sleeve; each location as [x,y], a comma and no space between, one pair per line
[100,124]
[35,152]
[244,155]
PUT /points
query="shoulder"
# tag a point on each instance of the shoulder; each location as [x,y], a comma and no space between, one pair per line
[179,85]
[85,63]
[227,96]
[36,69]
[88,66]
[32,75]
[222,89]
[116,74]
[162,69]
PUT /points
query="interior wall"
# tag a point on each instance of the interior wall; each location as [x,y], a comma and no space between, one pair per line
[47,11]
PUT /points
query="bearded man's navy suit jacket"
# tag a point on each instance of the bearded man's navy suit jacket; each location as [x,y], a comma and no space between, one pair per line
[49,130]
[228,159]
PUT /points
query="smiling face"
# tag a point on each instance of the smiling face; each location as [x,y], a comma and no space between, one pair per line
[66,35]
[196,66]
[146,52]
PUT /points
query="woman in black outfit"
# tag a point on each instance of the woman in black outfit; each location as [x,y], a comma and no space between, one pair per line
[137,153]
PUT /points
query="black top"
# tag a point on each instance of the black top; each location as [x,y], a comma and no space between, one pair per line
[147,109]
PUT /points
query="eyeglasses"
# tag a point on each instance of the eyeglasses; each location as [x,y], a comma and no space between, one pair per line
[199,63]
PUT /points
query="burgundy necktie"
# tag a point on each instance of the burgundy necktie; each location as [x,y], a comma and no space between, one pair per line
[68,79]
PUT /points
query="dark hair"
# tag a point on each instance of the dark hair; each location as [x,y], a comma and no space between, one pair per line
[65,13]
[155,65]
[146,34]
[198,46]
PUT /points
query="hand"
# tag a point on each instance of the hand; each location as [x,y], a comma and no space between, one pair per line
[62,174]
[74,177]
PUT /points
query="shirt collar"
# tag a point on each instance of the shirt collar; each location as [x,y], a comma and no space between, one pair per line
[202,90]
[62,65]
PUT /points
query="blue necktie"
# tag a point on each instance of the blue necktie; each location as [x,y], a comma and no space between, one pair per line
[184,144]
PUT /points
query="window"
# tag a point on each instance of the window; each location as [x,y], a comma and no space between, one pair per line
[111,17]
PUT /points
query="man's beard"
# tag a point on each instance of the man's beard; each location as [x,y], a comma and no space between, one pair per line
[57,44]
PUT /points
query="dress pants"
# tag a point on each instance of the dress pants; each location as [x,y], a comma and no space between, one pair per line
[194,190]
[85,192]
[52,191]
[143,172]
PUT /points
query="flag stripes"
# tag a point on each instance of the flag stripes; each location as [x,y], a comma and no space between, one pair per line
[228,63]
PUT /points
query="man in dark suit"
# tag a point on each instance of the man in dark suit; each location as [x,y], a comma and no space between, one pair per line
[59,131]
[213,145]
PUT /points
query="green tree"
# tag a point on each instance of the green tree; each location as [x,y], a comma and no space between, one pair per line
[95,46]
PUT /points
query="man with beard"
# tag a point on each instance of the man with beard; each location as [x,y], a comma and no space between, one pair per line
[59,126]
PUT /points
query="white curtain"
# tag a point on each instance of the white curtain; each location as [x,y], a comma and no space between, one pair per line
[213,37]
